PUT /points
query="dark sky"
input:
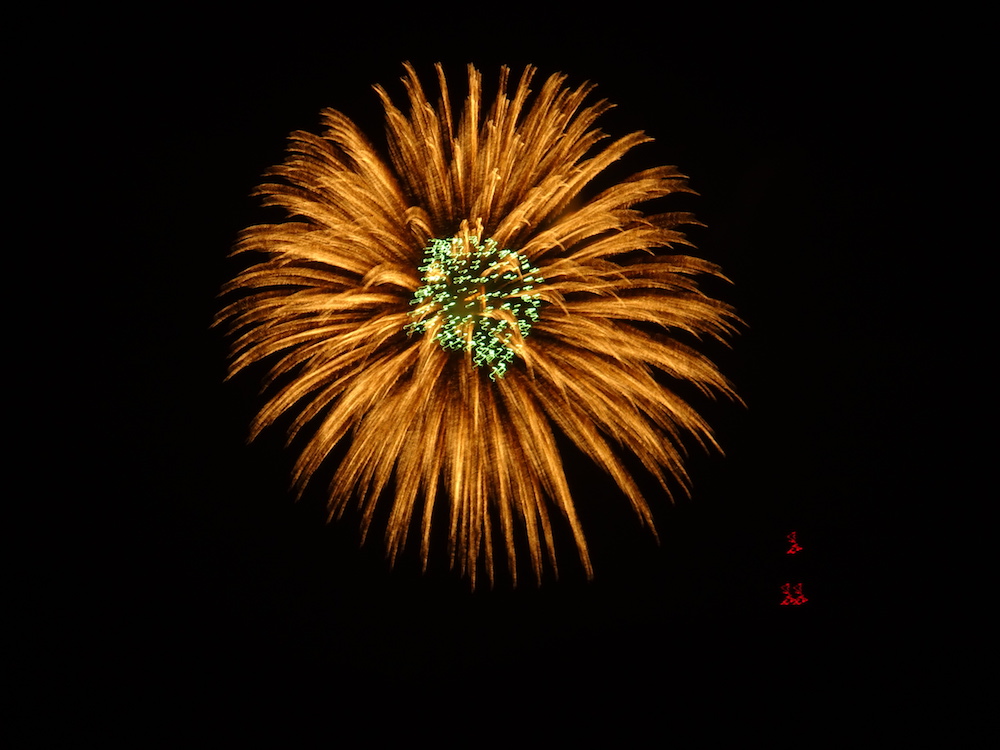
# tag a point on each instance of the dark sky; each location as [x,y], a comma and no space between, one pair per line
[195,567]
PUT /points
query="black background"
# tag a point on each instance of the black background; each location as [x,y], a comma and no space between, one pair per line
[191,582]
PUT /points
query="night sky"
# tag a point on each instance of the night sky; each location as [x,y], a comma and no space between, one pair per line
[194,577]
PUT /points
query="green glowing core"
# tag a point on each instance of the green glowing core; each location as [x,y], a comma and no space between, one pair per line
[476,298]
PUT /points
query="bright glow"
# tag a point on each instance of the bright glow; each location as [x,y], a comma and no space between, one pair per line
[392,309]
[477,299]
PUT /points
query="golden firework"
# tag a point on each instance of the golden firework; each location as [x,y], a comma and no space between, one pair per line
[445,311]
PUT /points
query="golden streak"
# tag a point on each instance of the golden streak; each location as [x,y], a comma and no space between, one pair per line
[327,309]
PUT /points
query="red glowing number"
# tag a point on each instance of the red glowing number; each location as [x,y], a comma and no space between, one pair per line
[795,545]
[793,594]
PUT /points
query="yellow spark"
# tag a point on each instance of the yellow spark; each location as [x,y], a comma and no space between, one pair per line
[329,311]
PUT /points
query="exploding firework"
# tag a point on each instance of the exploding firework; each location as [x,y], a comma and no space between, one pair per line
[446,311]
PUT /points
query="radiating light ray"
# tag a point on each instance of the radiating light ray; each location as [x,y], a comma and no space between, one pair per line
[446,312]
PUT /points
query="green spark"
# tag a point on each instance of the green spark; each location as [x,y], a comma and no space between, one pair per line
[477,299]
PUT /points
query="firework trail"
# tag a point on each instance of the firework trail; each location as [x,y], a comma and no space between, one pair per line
[445,311]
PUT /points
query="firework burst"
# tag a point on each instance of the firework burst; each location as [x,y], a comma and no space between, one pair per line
[446,311]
